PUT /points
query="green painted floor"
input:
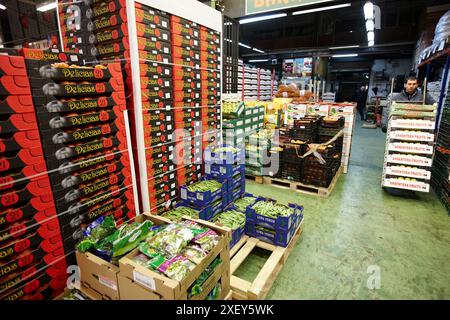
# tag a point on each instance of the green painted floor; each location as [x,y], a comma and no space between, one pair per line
[357,227]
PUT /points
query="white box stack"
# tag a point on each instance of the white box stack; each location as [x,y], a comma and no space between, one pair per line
[409,147]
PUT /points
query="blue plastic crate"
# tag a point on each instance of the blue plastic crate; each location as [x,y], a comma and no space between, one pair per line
[278,223]
[236,193]
[276,237]
[211,157]
[222,171]
[236,181]
[202,199]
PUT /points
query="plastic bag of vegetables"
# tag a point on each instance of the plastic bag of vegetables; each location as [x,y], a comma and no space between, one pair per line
[207,240]
[95,232]
[176,268]
[194,253]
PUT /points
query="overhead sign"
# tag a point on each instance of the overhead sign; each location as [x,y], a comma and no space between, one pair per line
[260,6]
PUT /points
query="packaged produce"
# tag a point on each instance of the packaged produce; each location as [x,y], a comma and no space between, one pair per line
[95,232]
[207,240]
[174,239]
[129,237]
[215,292]
[194,253]
[176,268]
[196,287]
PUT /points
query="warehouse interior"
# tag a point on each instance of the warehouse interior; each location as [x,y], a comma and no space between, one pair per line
[362,165]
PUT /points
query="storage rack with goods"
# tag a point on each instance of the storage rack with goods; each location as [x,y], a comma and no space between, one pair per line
[434,64]
[265,85]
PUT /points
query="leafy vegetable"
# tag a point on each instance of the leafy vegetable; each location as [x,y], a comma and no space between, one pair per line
[242,203]
[232,219]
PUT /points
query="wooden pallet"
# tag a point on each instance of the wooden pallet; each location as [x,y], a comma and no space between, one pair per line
[257,179]
[259,288]
[305,188]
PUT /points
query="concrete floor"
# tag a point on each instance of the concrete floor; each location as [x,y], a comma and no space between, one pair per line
[357,227]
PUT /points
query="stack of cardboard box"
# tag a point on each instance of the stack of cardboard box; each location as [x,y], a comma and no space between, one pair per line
[32,255]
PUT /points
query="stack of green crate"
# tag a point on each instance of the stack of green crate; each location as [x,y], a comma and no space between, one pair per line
[257,155]
[239,122]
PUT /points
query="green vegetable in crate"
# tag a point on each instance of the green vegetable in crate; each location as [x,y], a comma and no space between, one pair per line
[272,209]
[205,185]
[176,214]
[242,203]
[95,232]
[232,219]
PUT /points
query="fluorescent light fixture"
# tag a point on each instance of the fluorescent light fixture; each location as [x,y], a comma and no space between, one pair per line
[262,18]
[244,45]
[227,40]
[370,26]
[258,60]
[257,50]
[344,47]
[228,23]
[371,43]
[322,9]
[370,36]
[2,7]
[47,6]
[349,55]
[368,11]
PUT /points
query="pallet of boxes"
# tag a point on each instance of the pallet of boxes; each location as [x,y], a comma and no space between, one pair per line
[409,147]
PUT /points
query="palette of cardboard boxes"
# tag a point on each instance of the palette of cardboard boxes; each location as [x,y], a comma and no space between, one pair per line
[409,147]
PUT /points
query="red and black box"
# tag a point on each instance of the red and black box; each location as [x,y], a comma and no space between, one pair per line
[186,73]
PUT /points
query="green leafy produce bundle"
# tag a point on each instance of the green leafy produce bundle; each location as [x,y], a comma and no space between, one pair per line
[176,214]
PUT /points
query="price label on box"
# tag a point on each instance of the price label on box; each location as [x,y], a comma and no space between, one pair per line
[144,280]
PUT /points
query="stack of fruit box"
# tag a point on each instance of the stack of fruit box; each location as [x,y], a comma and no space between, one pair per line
[32,255]
[211,88]
[348,111]
[80,115]
[409,147]
[185,37]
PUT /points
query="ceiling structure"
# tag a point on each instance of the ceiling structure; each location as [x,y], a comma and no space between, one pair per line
[314,33]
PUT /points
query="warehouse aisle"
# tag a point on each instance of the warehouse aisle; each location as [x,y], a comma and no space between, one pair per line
[358,226]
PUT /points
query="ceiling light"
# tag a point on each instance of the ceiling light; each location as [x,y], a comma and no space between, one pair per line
[370,36]
[46,6]
[244,45]
[2,7]
[368,11]
[344,47]
[370,26]
[351,31]
[371,43]
[268,17]
[258,60]
[228,23]
[322,9]
[345,55]
[257,50]
[227,40]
